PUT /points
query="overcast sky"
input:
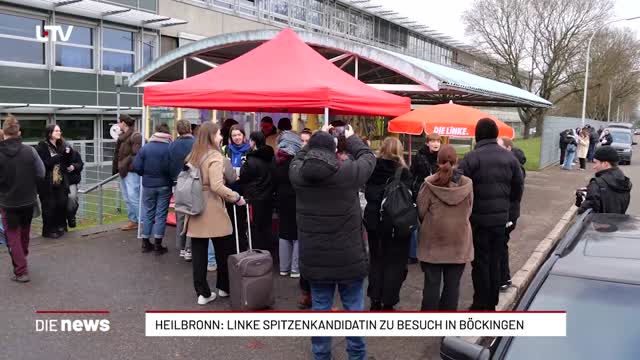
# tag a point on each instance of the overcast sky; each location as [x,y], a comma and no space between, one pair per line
[445,15]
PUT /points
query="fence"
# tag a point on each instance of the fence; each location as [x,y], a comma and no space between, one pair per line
[553,126]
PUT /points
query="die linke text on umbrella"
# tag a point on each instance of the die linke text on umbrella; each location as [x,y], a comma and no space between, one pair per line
[450,130]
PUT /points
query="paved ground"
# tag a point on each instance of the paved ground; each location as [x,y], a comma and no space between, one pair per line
[107,271]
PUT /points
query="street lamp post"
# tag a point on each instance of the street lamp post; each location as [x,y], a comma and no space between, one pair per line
[586,71]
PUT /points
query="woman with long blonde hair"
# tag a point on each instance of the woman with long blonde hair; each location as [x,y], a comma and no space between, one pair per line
[213,223]
[388,252]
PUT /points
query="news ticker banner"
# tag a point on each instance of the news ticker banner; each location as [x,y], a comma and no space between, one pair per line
[316,323]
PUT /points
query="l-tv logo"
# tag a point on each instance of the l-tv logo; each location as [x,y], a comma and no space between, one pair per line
[53,32]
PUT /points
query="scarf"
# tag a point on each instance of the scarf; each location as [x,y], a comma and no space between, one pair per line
[289,142]
[237,152]
[161,137]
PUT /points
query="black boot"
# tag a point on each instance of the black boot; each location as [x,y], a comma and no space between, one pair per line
[72,222]
[146,246]
[376,305]
[388,308]
[159,249]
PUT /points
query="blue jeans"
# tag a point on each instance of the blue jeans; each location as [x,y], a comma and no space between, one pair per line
[568,160]
[592,151]
[413,249]
[212,254]
[352,296]
[130,188]
[155,203]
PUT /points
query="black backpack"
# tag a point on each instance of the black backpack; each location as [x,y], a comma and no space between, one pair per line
[398,212]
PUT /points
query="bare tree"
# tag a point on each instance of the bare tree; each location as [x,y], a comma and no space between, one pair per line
[615,60]
[538,41]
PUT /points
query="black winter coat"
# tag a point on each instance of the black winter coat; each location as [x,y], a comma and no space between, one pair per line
[497,182]
[383,173]
[62,158]
[328,211]
[75,176]
[20,172]
[608,192]
[424,164]
[285,199]
[255,175]
[514,206]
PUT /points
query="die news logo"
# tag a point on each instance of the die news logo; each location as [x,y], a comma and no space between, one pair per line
[53,33]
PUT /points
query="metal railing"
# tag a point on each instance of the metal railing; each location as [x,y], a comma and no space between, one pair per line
[100,201]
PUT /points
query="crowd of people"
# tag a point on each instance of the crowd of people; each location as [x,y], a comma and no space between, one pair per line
[466,209]
[580,145]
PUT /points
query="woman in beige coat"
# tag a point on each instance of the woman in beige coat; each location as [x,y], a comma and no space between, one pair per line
[583,148]
[213,223]
[444,204]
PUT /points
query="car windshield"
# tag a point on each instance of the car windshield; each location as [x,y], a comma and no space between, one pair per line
[602,321]
[621,137]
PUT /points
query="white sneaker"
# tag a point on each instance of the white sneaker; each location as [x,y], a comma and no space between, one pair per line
[182,253]
[187,256]
[204,301]
[212,268]
[223,293]
[295,275]
[284,273]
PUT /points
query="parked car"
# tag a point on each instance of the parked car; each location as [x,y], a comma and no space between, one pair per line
[621,125]
[622,142]
[636,132]
[594,275]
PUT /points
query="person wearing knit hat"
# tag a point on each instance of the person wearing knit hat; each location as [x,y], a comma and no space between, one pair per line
[486,129]
[609,191]
[497,182]
[329,222]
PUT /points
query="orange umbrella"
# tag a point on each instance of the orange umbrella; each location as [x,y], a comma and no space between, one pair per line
[446,120]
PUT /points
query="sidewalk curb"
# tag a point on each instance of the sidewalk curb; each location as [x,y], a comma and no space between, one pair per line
[520,281]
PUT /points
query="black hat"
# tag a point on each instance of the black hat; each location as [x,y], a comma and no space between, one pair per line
[486,129]
[322,140]
[608,154]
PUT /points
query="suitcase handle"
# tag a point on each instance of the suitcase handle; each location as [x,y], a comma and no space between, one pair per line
[235,223]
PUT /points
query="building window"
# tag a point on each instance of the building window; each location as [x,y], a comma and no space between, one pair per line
[118,52]
[149,46]
[78,51]
[76,129]
[18,39]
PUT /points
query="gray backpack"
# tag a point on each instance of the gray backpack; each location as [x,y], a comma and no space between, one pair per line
[189,199]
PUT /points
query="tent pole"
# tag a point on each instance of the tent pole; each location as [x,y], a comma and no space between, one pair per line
[326,116]
[410,150]
[145,119]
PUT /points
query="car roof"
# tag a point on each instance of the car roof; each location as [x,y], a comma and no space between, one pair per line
[618,129]
[621,125]
[608,249]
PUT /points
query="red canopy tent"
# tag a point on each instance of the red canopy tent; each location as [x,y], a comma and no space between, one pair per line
[281,75]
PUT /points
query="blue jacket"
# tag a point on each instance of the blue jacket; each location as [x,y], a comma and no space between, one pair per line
[178,151]
[152,163]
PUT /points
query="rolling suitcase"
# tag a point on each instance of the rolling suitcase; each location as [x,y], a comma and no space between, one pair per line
[250,275]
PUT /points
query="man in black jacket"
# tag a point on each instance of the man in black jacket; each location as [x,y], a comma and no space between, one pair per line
[257,186]
[514,213]
[564,141]
[74,174]
[497,182]
[593,141]
[609,191]
[329,217]
[20,169]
